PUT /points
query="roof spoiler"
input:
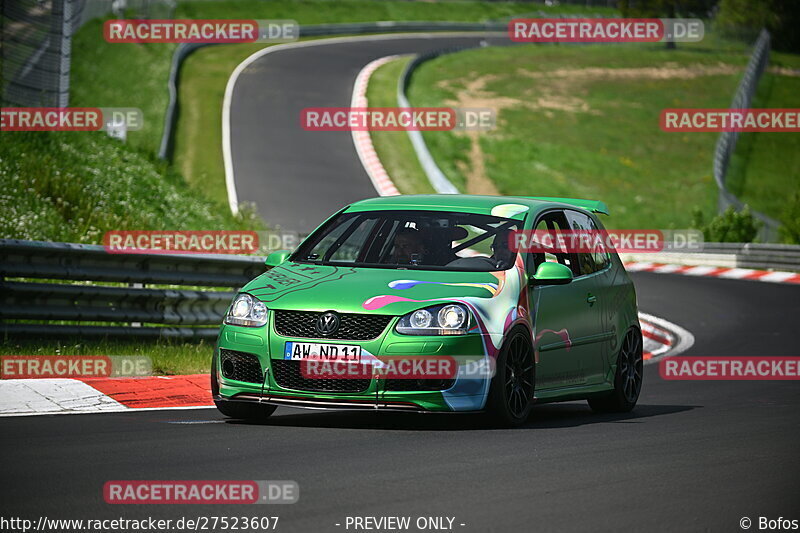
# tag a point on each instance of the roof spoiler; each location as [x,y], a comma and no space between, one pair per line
[595,206]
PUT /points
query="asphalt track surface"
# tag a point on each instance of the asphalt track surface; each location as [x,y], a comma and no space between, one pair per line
[298,178]
[693,456]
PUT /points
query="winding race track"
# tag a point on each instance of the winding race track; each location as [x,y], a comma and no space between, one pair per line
[298,178]
[693,456]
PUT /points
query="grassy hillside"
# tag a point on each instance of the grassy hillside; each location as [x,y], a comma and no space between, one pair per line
[765,169]
[582,121]
[122,75]
[73,187]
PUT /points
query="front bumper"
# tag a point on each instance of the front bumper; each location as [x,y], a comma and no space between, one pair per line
[465,393]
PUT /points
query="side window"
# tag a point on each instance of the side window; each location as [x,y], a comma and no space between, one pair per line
[348,249]
[597,257]
[330,238]
[553,222]
[600,254]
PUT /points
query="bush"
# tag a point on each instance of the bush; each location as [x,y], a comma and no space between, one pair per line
[729,226]
[790,230]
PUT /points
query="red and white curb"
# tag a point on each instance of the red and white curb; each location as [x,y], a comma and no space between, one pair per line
[662,338]
[26,397]
[715,272]
[362,140]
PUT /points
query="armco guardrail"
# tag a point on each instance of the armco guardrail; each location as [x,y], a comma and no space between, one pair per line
[726,144]
[25,300]
[190,313]
[731,255]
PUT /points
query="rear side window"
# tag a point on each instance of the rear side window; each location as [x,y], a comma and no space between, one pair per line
[601,256]
[598,258]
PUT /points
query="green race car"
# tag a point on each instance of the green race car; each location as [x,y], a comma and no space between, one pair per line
[434,278]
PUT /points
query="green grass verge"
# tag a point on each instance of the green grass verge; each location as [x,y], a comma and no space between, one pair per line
[122,75]
[167,357]
[569,127]
[765,167]
[198,132]
[75,187]
[394,148]
[322,11]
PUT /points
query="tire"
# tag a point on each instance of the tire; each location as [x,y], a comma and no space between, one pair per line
[245,410]
[627,379]
[511,393]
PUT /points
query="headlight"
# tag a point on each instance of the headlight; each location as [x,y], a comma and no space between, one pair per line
[450,319]
[247,311]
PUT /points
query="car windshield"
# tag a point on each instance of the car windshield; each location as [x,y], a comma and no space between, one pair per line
[425,240]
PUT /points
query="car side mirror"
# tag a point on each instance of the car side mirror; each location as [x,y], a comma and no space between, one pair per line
[551,274]
[277,257]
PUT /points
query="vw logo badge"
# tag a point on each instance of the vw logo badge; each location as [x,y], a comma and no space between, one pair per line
[327,323]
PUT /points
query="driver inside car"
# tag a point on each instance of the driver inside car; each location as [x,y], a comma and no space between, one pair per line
[501,253]
[409,247]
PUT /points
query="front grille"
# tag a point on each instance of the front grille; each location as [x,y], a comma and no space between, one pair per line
[398,385]
[352,326]
[288,375]
[241,366]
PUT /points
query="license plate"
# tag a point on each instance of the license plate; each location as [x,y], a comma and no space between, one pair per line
[312,351]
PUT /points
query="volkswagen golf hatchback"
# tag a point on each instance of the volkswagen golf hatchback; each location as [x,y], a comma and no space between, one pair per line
[424,303]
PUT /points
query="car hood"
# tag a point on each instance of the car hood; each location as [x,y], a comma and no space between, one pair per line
[366,290]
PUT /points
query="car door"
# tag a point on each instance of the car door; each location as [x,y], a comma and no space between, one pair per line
[614,290]
[564,321]
[593,266]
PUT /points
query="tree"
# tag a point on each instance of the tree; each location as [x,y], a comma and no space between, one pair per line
[667,9]
[745,18]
